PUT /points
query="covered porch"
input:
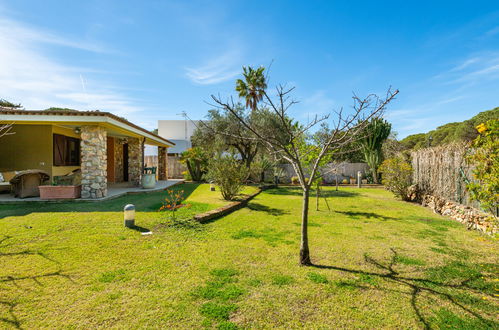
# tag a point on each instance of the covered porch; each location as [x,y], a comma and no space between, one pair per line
[114,190]
[99,152]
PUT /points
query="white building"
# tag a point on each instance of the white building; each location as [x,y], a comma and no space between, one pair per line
[179,132]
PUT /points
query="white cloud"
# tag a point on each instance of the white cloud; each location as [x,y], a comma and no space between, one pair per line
[30,77]
[476,69]
[319,103]
[217,70]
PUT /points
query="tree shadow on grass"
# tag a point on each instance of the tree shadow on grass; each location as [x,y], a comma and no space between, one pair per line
[297,191]
[369,215]
[264,208]
[465,285]
[8,279]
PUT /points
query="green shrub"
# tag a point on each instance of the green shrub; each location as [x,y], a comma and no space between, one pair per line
[229,175]
[295,180]
[485,158]
[397,175]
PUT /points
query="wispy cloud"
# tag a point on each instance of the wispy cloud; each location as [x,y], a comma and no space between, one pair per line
[217,70]
[492,32]
[474,69]
[30,76]
[319,103]
[29,34]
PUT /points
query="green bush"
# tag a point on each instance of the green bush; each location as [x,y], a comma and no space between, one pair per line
[228,174]
[397,175]
[485,159]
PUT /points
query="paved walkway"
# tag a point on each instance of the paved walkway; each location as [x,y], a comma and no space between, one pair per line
[114,190]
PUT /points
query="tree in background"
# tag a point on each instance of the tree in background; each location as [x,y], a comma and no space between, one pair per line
[376,133]
[485,158]
[235,137]
[452,132]
[9,105]
[283,136]
[196,161]
[253,87]
[228,174]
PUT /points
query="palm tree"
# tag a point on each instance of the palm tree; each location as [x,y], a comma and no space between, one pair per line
[252,88]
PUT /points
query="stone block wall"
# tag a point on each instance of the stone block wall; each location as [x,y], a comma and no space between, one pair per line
[134,161]
[472,218]
[162,167]
[93,162]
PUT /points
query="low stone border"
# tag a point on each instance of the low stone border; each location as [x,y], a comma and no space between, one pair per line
[224,210]
[469,216]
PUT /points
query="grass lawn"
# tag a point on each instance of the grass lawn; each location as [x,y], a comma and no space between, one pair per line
[380,263]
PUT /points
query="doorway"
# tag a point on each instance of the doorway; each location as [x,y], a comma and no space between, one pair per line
[125,162]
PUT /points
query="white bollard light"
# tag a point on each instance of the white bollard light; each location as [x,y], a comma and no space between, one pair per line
[359,178]
[129,215]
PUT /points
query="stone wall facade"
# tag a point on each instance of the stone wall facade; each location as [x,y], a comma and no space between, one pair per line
[162,166]
[134,161]
[93,162]
[467,215]
[118,160]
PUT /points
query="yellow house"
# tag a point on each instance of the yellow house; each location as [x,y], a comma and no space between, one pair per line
[105,147]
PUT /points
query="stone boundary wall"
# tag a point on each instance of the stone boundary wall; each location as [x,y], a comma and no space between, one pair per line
[467,215]
[227,209]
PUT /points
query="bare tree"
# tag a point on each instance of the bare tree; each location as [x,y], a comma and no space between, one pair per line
[287,139]
[6,130]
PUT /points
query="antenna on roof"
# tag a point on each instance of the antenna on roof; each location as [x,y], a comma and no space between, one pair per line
[184,114]
[84,88]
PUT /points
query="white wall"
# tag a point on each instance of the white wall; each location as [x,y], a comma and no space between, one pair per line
[177,131]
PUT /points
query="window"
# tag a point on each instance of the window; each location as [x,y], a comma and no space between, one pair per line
[66,151]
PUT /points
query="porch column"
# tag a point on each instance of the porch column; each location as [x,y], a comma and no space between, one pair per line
[93,149]
[134,161]
[162,170]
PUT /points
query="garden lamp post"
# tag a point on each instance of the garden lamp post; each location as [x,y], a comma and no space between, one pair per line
[129,215]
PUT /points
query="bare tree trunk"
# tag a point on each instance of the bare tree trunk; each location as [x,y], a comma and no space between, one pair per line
[304,250]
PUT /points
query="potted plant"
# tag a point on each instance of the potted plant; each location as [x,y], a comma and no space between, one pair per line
[60,189]
[352,180]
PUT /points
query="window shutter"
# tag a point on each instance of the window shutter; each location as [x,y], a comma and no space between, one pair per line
[59,150]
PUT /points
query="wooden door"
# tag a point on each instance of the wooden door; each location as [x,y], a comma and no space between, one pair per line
[110,160]
[125,162]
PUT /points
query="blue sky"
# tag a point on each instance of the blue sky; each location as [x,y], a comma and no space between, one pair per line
[150,60]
